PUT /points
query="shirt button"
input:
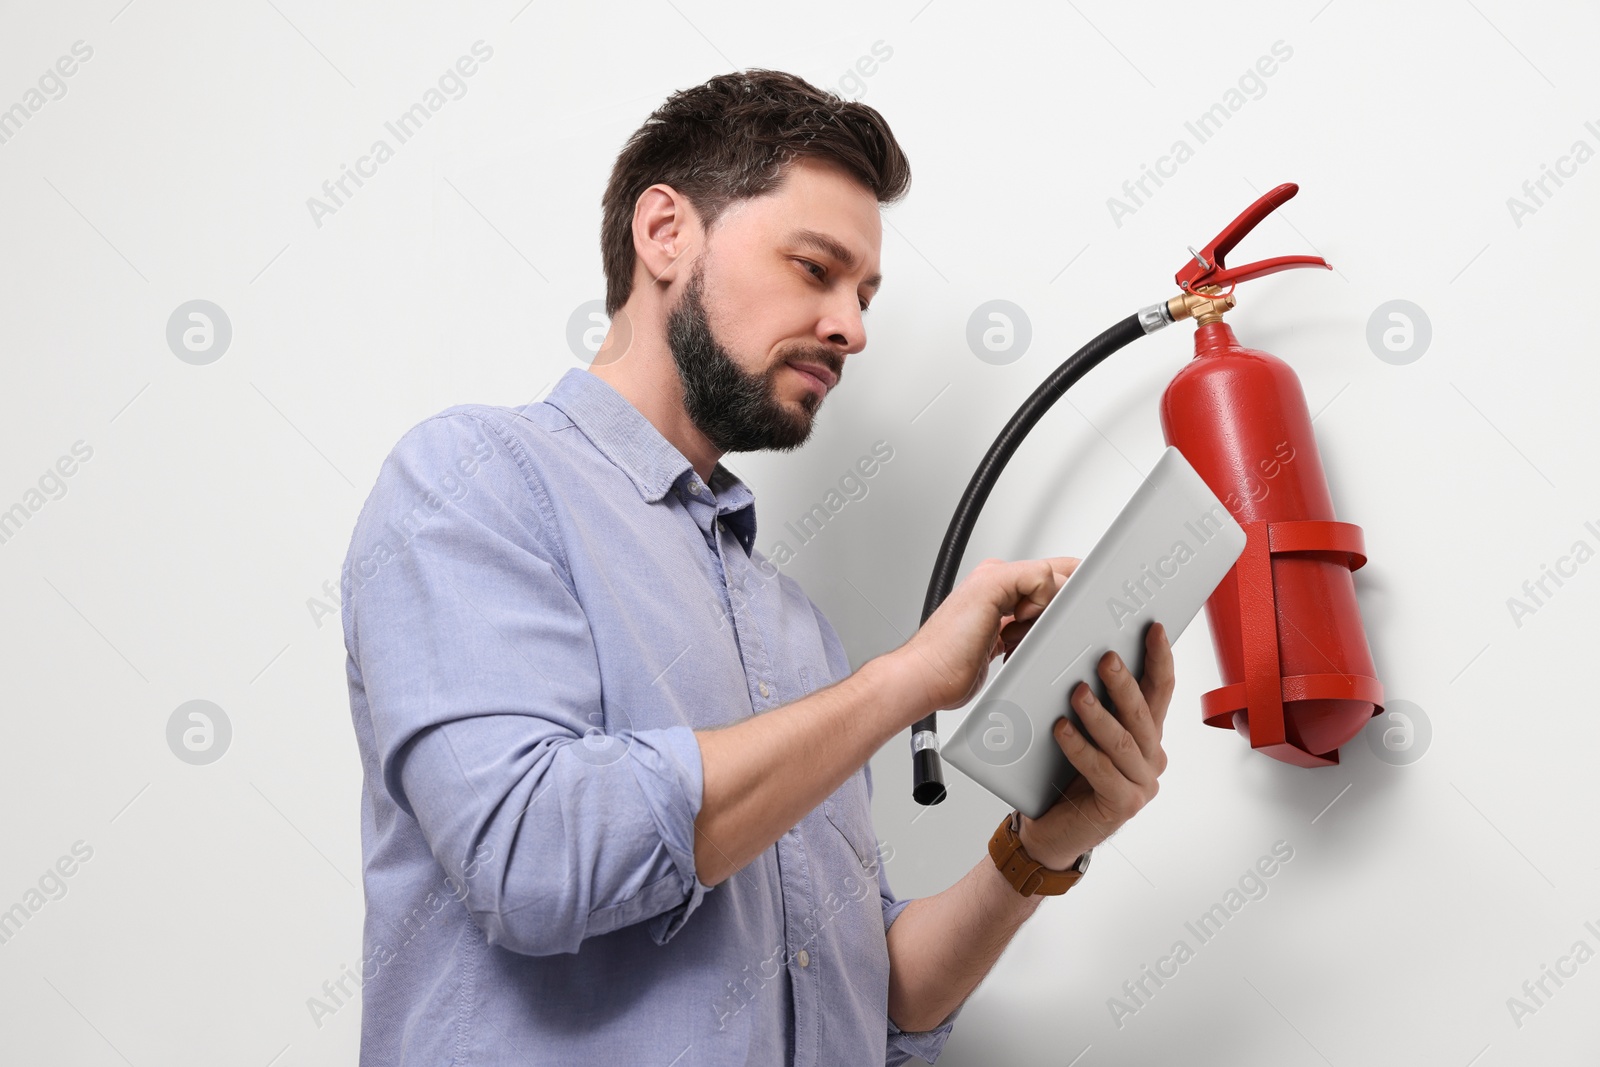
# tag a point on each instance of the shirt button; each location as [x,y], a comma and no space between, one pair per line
[765,690]
[695,486]
[804,957]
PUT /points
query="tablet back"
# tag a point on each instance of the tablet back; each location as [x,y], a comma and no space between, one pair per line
[1160,560]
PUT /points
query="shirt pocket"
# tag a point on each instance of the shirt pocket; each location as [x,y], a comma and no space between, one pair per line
[849,809]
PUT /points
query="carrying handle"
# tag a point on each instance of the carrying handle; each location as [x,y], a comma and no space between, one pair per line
[1208,268]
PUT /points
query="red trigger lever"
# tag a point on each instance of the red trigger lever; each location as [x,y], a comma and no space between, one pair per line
[1207,267]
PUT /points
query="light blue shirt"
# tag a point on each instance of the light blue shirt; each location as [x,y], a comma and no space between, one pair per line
[541,605]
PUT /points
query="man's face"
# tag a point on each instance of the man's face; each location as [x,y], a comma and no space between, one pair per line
[771,296]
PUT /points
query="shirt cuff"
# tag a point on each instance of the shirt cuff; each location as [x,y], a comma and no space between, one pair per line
[924,1044]
[669,922]
[675,758]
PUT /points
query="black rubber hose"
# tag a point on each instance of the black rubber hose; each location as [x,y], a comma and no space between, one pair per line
[927,778]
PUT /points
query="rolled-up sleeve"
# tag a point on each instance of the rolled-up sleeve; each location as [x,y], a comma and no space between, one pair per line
[484,688]
[902,1045]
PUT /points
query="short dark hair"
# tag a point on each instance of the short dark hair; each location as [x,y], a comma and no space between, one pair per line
[733,138]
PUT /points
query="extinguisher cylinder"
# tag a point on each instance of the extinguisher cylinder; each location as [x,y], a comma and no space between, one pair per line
[1239,416]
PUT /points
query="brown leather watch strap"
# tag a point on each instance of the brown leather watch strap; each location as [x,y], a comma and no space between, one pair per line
[1027,875]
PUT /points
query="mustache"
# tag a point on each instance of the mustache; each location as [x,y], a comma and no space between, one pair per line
[831,360]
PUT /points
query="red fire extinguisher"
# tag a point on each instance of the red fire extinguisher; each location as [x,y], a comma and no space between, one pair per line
[1298,679]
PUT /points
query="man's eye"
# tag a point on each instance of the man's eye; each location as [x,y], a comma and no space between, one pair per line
[821,274]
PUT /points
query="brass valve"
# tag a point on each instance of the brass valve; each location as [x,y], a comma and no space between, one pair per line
[1203,306]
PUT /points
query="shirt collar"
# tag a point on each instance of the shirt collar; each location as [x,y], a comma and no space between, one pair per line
[631,442]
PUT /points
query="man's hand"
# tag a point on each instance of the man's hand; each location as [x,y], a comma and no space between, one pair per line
[987,613]
[942,945]
[1119,777]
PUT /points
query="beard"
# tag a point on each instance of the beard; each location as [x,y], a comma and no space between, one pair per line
[736,411]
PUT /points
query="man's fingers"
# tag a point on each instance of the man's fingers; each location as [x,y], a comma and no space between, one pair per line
[1093,764]
[1097,765]
[1015,630]
[1130,736]
[1024,588]
[1159,677]
[1045,579]
[1063,565]
[1027,588]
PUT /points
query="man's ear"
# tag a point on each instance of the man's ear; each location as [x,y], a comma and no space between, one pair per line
[662,220]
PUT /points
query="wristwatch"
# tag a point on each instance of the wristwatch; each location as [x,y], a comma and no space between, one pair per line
[1026,874]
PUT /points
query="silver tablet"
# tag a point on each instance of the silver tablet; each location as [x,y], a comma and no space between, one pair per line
[1160,560]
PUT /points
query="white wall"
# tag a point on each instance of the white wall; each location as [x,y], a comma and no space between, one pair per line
[218,499]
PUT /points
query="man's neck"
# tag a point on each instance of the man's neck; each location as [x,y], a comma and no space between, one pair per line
[650,382]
